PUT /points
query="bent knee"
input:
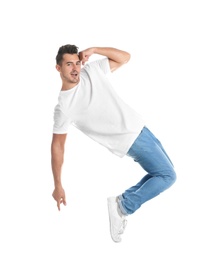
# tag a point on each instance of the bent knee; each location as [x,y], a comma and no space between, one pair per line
[170,177]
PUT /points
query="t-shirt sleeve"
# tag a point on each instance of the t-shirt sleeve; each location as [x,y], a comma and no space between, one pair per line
[103,64]
[61,122]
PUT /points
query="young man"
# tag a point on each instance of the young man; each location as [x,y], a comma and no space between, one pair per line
[88,102]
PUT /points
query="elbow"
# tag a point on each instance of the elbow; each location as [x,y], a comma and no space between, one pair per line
[127,57]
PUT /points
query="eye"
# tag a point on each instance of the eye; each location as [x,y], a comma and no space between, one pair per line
[78,63]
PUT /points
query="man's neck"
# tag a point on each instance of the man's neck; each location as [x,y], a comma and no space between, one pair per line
[68,86]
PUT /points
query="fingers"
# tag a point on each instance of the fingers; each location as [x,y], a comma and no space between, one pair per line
[83,57]
[59,202]
[58,205]
[59,197]
[64,202]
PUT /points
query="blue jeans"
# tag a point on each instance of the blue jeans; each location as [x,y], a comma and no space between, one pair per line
[150,154]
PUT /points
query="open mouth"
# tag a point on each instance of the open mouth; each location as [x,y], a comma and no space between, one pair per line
[74,73]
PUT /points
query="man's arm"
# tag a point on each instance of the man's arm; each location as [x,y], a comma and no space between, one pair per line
[116,57]
[57,159]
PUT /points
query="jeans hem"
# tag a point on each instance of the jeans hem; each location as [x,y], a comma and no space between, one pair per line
[119,200]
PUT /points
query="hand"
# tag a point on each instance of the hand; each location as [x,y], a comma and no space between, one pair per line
[59,195]
[85,55]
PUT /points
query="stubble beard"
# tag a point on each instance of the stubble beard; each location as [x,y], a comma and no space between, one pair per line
[75,81]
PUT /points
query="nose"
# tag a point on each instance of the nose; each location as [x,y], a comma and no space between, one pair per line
[74,66]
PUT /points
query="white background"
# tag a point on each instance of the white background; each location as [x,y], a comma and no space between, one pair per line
[171,79]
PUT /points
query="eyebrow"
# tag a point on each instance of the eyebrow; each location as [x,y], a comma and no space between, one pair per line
[72,61]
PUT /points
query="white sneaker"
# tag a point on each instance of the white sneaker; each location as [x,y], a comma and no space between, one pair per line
[116,218]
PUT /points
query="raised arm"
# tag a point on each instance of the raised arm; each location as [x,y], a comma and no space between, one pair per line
[116,57]
[57,159]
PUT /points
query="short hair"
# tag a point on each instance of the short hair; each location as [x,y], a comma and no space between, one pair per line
[68,48]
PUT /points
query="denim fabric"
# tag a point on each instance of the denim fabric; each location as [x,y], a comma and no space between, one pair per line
[150,154]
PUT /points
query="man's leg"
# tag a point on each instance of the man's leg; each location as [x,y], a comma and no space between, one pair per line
[150,154]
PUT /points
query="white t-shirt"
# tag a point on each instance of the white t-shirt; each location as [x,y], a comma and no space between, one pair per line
[94,107]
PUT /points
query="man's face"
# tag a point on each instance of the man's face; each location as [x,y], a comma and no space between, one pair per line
[70,69]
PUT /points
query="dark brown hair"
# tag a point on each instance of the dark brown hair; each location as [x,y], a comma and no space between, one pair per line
[68,48]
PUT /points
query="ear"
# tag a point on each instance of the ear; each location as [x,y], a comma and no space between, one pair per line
[58,67]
